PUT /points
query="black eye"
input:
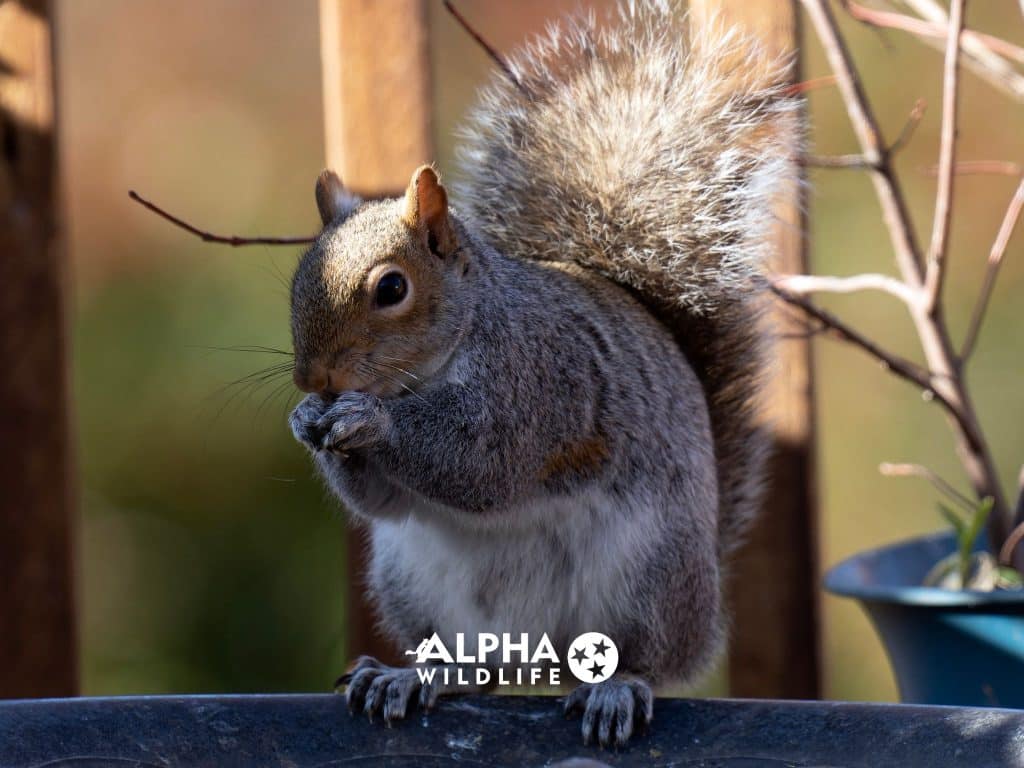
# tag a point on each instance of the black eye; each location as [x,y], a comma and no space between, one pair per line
[391,289]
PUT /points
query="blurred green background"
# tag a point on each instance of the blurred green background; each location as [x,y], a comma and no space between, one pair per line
[211,559]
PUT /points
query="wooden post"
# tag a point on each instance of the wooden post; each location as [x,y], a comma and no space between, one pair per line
[38,653]
[377,96]
[774,588]
[376,79]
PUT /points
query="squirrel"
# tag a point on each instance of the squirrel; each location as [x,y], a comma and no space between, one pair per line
[542,402]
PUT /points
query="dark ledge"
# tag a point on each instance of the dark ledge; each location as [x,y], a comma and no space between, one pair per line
[508,731]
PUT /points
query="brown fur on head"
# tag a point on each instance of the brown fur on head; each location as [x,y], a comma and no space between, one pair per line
[373,304]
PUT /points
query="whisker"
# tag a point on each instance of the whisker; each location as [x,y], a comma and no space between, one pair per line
[246,391]
[396,359]
[398,368]
[255,348]
[392,380]
[288,403]
[274,394]
[263,374]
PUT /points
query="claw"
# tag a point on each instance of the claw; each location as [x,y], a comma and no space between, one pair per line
[611,710]
[375,696]
[374,689]
[577,699]
[357,692]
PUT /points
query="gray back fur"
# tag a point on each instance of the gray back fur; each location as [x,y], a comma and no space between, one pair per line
[653,162]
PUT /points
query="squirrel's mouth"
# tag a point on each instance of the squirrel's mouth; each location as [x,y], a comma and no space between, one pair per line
[372,382]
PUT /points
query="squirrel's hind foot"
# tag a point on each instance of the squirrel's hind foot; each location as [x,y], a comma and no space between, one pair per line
[612,710]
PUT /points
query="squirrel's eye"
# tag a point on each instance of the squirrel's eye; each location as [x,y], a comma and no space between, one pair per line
[391,289]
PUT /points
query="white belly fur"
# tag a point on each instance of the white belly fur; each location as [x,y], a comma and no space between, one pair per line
[495,579]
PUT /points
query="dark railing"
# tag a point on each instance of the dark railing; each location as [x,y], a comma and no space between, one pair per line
[308,730]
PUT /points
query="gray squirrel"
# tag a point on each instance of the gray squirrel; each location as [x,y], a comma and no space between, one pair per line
[543,406]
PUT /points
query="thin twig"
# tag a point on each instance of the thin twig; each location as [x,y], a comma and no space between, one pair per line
[861,162]
[937,251]
[209,237]
[985,63]
[943,365]
[1018,517]
[807,284]
[836,327]
[918,470]
[995,258]
[496,57]
[1012,542]
[890,20]
[913,120]
[865,125]
[983,167]
[806,86]
[854,162]
[924,28]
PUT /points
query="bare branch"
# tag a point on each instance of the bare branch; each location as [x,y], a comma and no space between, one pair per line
[856,162]
[913,120]
[929,29]
[807,284]
[890,20]
[861,162]
[937,251]
[918,470]
[1019,512]
[865,125]
[1012,542]
[983,167]
[944,376]
[837,328]
[209,237]
[496,57]
[806,86]
[985,63]
[995,258]
[1008,553]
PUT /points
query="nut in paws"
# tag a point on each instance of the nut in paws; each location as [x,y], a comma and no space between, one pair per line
[353,420]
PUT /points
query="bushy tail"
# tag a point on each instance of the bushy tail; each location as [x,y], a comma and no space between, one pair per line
[653,161]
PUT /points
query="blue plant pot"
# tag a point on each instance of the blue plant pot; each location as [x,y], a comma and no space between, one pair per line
[945,647]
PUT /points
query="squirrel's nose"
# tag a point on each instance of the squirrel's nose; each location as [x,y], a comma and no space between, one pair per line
[310,378]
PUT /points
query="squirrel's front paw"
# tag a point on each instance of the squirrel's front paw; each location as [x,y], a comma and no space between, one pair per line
[612,709]
[353,420]
[304,421]
[376,689]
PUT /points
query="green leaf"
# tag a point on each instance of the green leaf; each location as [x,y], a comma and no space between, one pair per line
[954,519]
[1010,578]
[967,532]
[977,523]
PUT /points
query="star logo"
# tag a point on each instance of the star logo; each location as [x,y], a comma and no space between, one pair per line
[593,657]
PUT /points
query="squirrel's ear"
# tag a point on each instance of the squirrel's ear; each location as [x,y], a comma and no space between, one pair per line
[332,199]
[426,210]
